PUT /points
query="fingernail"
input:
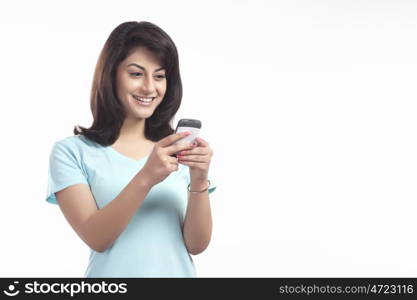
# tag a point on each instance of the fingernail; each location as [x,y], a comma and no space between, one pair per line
[187,132]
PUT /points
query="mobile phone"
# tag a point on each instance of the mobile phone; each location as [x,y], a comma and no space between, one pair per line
[191,125]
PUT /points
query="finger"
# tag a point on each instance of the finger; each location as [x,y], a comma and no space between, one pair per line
[201,142]
[174,149]
[174,166]
[168,140]
[195,158]
[172,160]
[191,163]
[195,151]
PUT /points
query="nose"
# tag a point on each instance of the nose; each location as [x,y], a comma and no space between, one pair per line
[147,85]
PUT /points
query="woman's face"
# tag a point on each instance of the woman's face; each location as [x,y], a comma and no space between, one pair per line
[140,77]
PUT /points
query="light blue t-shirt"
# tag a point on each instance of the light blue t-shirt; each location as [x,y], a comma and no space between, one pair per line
[152,244]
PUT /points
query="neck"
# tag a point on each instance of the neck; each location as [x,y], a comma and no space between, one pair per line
[132,131]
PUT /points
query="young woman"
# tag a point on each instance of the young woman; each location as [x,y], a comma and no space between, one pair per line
[141,209]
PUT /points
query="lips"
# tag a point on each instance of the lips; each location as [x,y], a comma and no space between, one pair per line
[144,99]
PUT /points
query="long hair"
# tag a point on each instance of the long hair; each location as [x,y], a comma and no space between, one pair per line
[107,109]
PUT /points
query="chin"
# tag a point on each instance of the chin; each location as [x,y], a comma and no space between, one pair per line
[143,116]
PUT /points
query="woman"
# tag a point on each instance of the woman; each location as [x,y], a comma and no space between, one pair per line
[141,209]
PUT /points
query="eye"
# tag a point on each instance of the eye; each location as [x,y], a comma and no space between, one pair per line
[136,74]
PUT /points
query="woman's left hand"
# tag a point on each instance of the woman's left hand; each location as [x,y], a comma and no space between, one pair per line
[198,159]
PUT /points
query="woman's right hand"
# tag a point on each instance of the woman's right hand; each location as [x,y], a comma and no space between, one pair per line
[160,163]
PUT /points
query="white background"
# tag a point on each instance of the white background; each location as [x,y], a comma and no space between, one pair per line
[309,106]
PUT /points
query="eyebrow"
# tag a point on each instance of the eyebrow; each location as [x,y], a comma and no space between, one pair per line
[140,67]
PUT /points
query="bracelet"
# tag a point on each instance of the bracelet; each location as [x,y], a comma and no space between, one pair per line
[197,192]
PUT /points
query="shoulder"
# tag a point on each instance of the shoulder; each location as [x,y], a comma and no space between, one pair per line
[74,146]
[67,141]
[75,142]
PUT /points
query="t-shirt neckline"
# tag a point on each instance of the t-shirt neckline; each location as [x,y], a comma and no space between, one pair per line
[114,151]
[110,149]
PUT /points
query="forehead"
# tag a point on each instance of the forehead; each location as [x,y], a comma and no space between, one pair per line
[143,57]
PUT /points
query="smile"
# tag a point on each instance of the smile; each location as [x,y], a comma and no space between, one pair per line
[144,99]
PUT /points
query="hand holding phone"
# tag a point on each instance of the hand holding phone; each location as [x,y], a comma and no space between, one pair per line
[191,125]
[162,161]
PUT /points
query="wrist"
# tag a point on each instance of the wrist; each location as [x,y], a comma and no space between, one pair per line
[143,181]
[198,185]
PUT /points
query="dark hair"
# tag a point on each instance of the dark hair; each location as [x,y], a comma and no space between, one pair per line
[108,112]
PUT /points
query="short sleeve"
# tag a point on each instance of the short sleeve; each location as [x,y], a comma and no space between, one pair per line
[212,187]
[64,169]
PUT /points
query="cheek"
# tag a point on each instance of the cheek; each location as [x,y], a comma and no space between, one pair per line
[162,88]
[124,86]
[131,85]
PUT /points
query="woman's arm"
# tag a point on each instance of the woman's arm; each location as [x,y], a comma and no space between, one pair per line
[198,222]
[99,228]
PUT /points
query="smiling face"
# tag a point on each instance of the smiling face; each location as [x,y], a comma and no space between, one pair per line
[141,83]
